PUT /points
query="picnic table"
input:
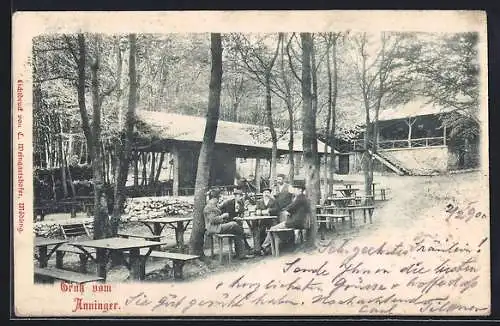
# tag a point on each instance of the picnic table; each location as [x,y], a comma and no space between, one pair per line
[86,202]
[42,244]
[255,223]
[340,201]
[104,248]
[347,191]
[179,224]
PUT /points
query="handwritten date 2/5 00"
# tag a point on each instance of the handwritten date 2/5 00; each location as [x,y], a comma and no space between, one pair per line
[466,214]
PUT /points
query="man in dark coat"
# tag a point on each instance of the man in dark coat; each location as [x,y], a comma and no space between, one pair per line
[295,215]
[235,208]
[218,222]
[281,192]
[266,206]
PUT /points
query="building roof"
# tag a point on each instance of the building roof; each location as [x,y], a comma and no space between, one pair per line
[412,109]
[191,128]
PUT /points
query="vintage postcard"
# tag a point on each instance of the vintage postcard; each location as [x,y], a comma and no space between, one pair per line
[285,163]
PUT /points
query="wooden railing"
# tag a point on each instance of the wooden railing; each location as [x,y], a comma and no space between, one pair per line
[400,143]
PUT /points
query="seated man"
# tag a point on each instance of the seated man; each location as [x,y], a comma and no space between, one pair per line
[266,206]
[235,208]
[295,216]
[218,222]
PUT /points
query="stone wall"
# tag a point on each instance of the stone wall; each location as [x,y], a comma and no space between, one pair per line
[136,209]
[421,160]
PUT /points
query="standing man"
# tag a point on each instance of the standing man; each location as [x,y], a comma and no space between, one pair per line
[281,192]
[218,222]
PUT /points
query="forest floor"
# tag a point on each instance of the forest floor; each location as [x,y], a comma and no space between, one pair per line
[411,202]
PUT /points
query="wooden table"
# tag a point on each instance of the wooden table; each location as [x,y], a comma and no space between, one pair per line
[104,247]
[43,254]
[87,203]
[340,201]
[157,225]
[347,191]
[255,224]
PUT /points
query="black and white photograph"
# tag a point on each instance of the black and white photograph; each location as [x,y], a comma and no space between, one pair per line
[251,169]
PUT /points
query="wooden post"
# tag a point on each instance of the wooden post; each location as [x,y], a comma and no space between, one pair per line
[175,185]
[257,174]
[409,132]
[444,135]
[135,155]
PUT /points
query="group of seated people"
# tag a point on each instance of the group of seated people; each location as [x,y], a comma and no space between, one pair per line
[225,217]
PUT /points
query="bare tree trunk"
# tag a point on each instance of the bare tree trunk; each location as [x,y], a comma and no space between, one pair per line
[81,64]
[314,78]
[160,165]
[326,169]
[104,160]
[70,178]
[136,168]
[309,142]
[54,192]
[270,124]
[69,151]
[124,153]
[101,218]
[153,169]
[207,147]
[61,155]
[333,102]
[289,106]
[144,166]
[47,156]
[257,174]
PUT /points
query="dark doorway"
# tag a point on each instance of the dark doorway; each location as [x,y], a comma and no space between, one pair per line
[343,164]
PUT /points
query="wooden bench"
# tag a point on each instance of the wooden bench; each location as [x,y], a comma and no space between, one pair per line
[74,230]
[365,200]
[325,222]
[69,231]
[383,194]
[274,234]
[64,249]
[177,259]
[64,275]
[220,240]
[366,208]
[145,237]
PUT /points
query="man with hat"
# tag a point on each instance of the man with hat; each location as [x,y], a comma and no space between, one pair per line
[235,208]
[266,206]
[218,222]
[295,215]
[282,195]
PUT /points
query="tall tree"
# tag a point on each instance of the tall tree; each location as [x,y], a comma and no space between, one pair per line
[309,141]
[449,68]
[287,98]
[101,217]
[382,76]
[125,148]
[332,76]
[260,66]
[207,147]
